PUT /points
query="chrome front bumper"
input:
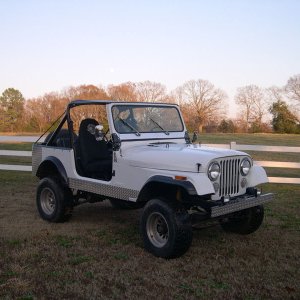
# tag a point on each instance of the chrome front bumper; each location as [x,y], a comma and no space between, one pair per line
[240,204]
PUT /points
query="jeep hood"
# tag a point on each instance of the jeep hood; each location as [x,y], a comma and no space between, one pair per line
[175,157]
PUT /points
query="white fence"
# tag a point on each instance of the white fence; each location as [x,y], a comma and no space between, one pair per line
[232,145]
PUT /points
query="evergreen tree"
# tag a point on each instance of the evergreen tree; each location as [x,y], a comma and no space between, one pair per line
[283,121]
[11,107]
[226,126]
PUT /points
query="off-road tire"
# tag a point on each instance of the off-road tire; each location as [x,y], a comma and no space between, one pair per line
[54,202]
[165,228]
[244,222]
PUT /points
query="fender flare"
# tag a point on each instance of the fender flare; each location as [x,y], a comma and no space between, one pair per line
[186,185]
[52,163]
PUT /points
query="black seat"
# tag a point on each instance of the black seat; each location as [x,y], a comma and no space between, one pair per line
[62,139]
[95,157]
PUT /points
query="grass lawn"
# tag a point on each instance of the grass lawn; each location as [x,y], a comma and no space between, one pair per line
[15,160]
[292,140]
[16,146]
[99,254]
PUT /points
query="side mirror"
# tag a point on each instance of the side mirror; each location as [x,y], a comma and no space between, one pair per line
[195,137]
[187,138]
[116,142]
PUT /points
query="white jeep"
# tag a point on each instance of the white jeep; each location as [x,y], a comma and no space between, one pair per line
[139,155]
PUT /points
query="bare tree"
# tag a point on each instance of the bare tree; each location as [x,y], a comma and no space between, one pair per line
[86,92]
[35,114]
[44,110]
[251,99]
[176,96]
[122,92]
[149,91]
[274,94]
[293,88]
[203,99]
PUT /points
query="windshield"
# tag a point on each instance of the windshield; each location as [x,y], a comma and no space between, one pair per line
[139,119]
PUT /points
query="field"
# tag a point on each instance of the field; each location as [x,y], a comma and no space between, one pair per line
[252,139]
[98,254]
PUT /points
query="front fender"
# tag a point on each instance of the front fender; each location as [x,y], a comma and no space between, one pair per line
[257,176]
[186,185]
[196,184]
[202,183]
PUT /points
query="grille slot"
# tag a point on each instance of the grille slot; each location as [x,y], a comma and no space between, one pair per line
[229,177]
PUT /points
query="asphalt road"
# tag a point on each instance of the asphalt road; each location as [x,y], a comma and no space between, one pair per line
[14,138]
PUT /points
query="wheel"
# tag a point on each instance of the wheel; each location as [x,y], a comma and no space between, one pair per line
[54,203]
[122,204]
[166,229]
[244,222]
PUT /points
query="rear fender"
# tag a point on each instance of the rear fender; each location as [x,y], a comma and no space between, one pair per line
[52,166]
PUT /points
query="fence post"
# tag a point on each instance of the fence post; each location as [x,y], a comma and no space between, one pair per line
[233,145]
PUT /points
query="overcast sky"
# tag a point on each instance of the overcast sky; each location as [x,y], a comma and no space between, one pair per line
[48,45]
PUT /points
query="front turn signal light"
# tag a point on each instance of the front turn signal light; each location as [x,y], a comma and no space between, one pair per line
[180,177]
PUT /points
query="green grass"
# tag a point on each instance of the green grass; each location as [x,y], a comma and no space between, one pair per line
[285,210]
[252,139]
[77,259]
[15,160]
[16,146]
[64,241]
[283,172]
[99,253]
[12,179]
[276,156]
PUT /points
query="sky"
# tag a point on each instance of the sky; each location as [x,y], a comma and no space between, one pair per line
[50,45]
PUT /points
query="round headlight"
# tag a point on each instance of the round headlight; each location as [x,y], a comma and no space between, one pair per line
[245,166]
[214,171]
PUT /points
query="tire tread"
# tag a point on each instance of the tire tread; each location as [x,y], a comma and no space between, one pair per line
[63,211]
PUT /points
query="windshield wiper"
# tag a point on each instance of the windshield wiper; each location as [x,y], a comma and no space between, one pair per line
[129,126]
[165,131]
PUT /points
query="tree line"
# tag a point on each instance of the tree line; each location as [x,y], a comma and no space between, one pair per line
[204,106]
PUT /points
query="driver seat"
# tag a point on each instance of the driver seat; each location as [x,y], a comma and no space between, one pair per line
[95,157]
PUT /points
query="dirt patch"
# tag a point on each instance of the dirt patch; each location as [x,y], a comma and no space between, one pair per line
[98,254]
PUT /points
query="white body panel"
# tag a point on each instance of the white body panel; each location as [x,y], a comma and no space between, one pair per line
[135,177]
[136,162]
[257,176]
[157,153]
[173,157]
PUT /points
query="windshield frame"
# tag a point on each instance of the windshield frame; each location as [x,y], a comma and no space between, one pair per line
[144,105]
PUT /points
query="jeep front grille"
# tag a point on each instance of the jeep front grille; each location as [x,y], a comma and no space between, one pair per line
[230,176]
